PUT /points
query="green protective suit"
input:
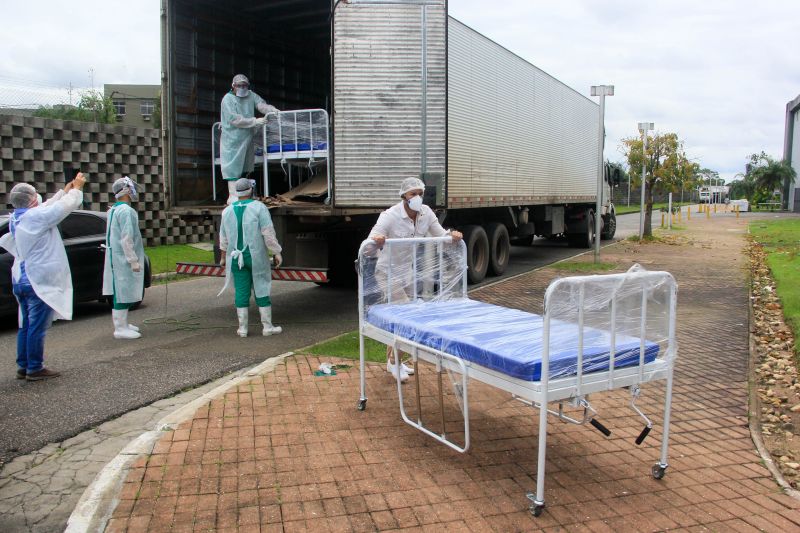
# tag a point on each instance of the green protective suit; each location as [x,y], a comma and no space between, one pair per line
[124,248]
[238,128]
[247,259]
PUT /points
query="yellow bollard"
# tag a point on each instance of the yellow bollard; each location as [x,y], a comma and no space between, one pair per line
[680,214]
[708,211]
[662,219]
[699,208]
[737,210]
[689,214]
[715,208]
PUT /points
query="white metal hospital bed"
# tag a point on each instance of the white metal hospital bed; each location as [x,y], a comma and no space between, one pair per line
[292,138]
[597,333]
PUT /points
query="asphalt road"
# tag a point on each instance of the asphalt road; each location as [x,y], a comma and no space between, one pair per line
[104,378]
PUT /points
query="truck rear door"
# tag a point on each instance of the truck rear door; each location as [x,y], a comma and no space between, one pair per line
[389,99]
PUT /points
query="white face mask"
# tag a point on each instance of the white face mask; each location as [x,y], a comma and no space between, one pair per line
[241,92]
[415,203]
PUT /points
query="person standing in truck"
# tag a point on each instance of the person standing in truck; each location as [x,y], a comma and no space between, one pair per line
[239,125]
[406,219]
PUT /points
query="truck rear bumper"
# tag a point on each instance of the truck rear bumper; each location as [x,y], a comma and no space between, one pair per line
[283,274]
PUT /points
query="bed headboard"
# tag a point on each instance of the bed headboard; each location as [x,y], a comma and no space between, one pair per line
[637,304]
[407,270]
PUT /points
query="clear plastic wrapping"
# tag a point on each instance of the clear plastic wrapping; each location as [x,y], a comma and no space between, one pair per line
[290,131]
[415,290]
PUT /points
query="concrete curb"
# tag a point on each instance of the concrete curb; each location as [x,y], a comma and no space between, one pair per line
[98,501]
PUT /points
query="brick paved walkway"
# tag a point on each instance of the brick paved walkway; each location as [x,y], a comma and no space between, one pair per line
[289,451]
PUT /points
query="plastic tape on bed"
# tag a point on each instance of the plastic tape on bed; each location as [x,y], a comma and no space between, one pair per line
[503,339]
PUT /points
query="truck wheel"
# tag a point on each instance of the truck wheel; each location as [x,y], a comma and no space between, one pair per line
[477,253]
[585,239]
[610,226]
[499,248]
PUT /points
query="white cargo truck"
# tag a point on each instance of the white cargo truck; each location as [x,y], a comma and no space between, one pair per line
[507,152]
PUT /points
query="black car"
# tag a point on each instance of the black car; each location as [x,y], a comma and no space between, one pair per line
[84,235]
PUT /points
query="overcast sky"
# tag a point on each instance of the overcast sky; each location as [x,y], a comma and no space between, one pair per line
[717,72]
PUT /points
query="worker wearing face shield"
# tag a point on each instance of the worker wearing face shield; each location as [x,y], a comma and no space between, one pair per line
[408,218]
[123,273]
[40,277]
[239,125]
[246,233]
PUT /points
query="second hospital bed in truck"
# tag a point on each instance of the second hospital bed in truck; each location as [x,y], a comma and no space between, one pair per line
[507,152]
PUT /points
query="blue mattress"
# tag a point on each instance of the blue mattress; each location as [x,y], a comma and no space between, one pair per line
[503,339]
[299,147]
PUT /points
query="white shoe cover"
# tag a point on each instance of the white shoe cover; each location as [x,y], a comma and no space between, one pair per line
[266,321]
[244,317]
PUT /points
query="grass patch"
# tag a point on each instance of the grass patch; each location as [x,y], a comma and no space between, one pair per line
[781,241]
[164,258]
[582,266]
[346,347]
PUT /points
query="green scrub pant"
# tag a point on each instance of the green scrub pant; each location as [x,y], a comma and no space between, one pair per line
[120,306]
[243,282]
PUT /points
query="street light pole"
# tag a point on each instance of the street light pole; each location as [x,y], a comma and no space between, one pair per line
[602,91]
[644,127]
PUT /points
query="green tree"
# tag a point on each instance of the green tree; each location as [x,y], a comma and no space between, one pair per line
[668,168]
[744,187]
[92,107]
[770,175]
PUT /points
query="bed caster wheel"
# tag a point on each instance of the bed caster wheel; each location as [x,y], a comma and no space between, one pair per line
[659,471]
[537,510]
[362,404]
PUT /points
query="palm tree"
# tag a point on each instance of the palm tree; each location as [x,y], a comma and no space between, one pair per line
[771,175]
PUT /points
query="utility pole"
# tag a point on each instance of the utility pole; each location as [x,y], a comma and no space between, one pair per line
[602,91]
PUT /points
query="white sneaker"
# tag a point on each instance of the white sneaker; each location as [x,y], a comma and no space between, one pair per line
[390,368]
[408,369]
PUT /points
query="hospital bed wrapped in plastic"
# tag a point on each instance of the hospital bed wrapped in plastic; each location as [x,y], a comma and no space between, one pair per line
[597,333]
[294,138]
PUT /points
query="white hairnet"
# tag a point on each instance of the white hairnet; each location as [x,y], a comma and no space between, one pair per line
[244,187]
[125,186]
[411,184]
[240,78]
[22,195]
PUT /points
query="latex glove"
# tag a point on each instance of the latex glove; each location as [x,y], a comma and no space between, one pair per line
[380,240]
[260,121]
[278,260]
[79,181]
[136,267]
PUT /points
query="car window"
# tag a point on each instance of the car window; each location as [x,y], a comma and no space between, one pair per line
[81,225]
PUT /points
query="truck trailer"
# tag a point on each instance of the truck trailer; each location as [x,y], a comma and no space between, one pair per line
[507,152]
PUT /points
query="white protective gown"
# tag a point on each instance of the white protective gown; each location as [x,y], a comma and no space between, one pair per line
[123,248]
[39,244]
[258,234]
[238,127]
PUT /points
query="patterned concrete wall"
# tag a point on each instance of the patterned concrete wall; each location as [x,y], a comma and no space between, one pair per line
[43,152]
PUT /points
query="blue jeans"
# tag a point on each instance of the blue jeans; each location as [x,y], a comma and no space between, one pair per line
[36,318]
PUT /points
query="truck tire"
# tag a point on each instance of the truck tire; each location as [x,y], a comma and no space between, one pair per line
[609,226]
[477,253]
[584,239]
[499,248]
